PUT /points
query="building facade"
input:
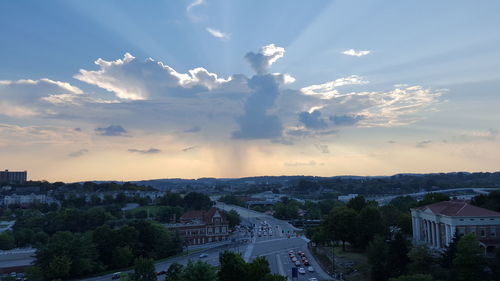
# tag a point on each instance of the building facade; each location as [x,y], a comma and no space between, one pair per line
[436,224]
[200,227]
[13,177]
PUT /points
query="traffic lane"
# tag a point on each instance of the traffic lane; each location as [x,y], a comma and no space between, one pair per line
[288,265]
[276,245]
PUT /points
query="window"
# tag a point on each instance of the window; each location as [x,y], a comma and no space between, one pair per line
[483,233]
[493,232]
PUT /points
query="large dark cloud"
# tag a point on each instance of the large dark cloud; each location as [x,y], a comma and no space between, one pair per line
[256,122]
[312,120]
[111,131]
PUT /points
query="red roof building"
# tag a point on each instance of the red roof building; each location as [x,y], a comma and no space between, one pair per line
[436,224]
[200,227]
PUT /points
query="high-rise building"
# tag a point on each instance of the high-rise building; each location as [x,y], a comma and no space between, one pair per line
[13,177]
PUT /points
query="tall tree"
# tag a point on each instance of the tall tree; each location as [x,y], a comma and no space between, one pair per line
[469,261]
[144,270]
[174,272]
[258,269]
[232,266]
[199,271]
[398,255]
[341,223]
[378,255]
[369,223]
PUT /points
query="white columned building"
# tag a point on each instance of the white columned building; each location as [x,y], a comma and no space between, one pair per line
[436,224]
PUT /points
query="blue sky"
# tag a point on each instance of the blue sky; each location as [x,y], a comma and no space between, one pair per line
[276,87]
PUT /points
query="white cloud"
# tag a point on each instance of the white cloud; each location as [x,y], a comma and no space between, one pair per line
[131,79]
[359,53]
[328,90]
[218,34]
[265,57]
[194,4]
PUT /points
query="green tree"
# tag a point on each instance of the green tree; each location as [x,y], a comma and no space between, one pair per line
[144,270]
[421,260]
[378,255]
[174,272]
[197,201]
[199,271]
[431,198]
[67,254]
[341,223]
[232,266]
[233,218]
[258,269]
[7,241]
[469,261]
[357,203]
[34,273]
[398,255]
[368,224]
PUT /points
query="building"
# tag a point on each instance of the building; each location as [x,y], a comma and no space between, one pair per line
[25,199]
[13,177]
[436,224]
[200,227]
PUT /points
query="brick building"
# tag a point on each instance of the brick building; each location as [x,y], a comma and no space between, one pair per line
[200,227]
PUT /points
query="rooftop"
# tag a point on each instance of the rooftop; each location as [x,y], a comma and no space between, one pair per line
[457,208]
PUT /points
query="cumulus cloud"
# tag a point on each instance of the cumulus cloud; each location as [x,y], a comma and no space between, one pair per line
[151,96]
[131,79]
[218,34]
[78,153]
[265,57]
[111,131]
[27,97]
[145,151]
[256,122]
[328,90]
[356,53]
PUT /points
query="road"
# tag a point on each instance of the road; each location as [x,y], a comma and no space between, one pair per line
[274,247]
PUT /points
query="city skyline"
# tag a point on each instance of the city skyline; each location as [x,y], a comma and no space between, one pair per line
[121,90]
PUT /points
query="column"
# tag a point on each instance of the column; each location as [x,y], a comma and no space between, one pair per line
[414,221]
[433,234]
[439,235]
[428,232]
[446,235]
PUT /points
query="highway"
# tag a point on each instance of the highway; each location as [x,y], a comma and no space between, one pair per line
[274,247]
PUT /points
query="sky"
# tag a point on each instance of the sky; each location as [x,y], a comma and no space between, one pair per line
[131,90]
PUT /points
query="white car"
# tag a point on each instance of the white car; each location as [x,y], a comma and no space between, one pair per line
[302,270]
[312,279]
[310,269]
[297,263]
[294,259]
[203,255]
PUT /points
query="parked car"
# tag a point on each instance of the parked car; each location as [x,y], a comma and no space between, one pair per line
[294,259]
[302,270]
